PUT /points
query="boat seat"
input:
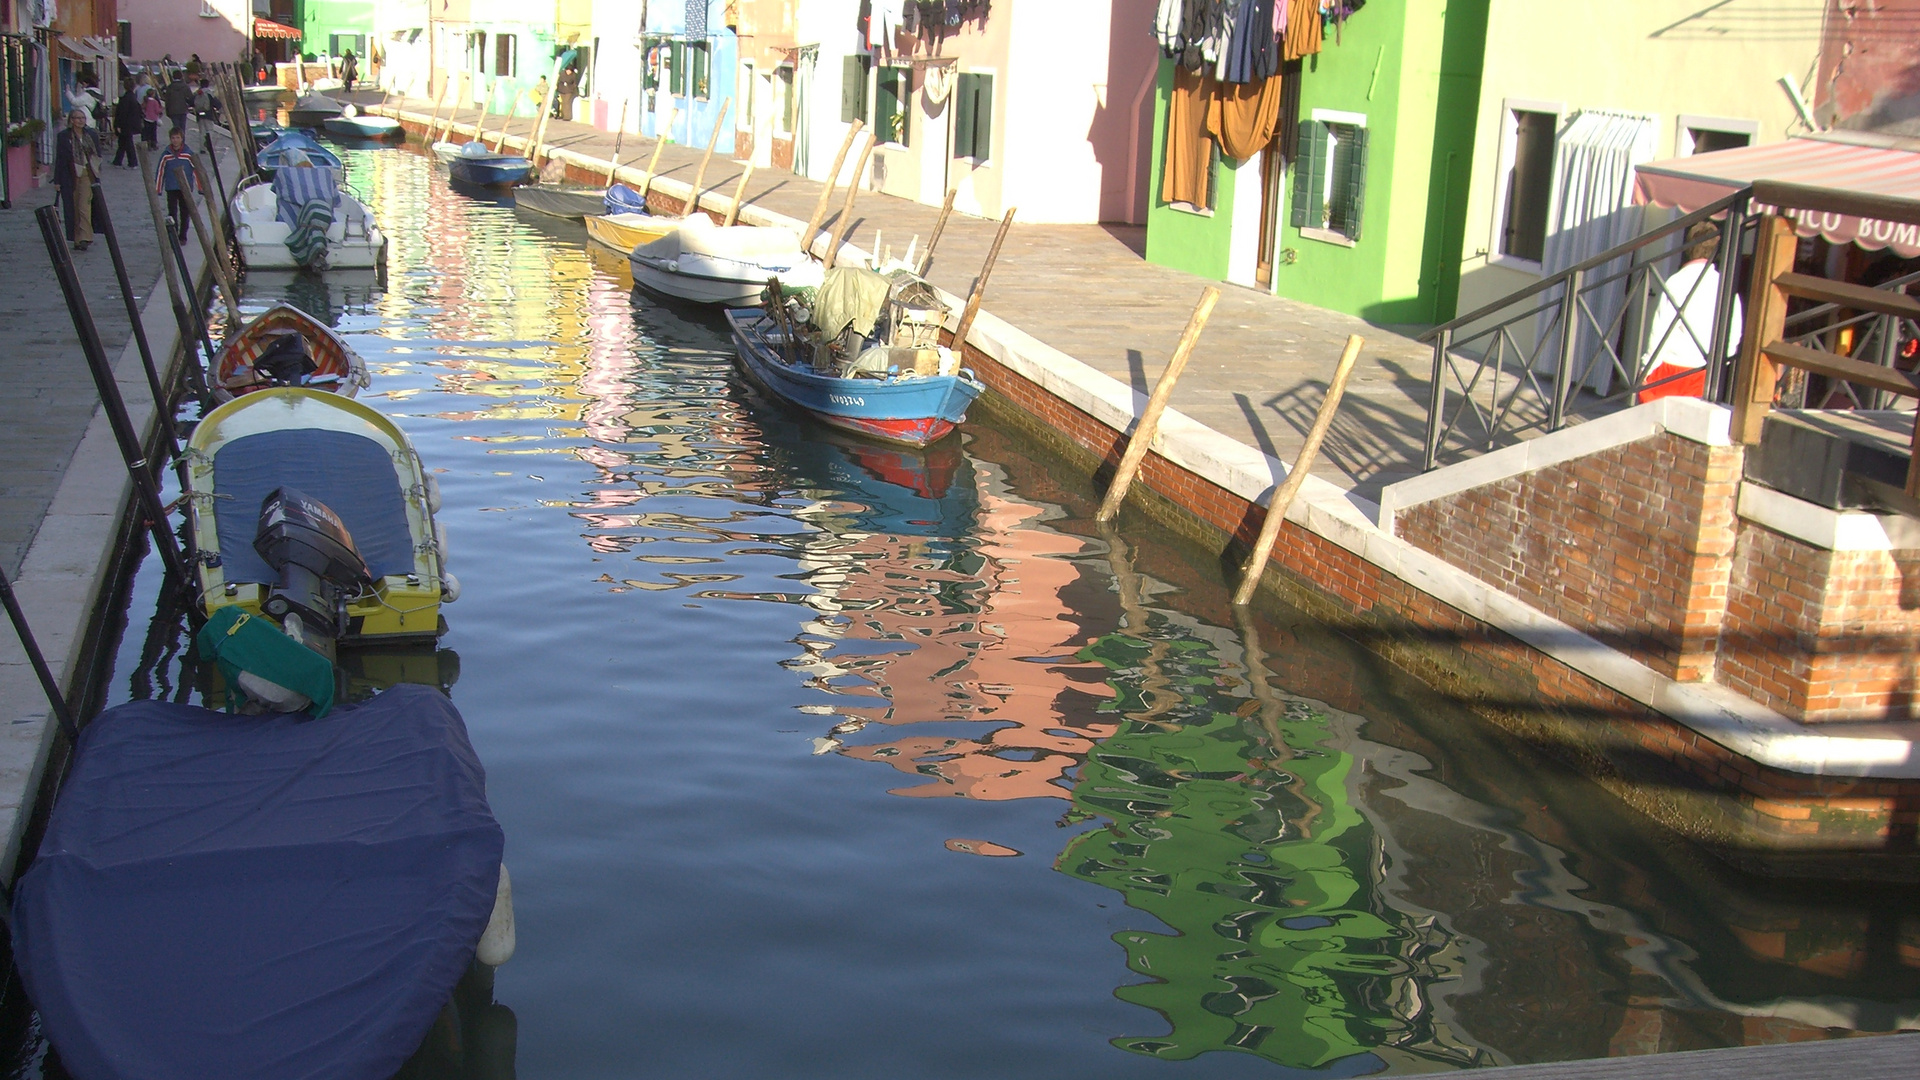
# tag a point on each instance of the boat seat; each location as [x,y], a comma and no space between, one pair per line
[351,473]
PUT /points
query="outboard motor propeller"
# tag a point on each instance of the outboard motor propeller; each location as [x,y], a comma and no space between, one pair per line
[306,543]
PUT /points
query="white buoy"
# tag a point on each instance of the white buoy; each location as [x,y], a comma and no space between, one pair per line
[440,542]
[496,943]
[433,494]
[449,588]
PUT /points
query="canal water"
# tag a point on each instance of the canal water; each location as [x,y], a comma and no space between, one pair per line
[821,759]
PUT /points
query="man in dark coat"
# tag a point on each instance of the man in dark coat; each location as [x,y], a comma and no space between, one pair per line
[178,98]
[126,121]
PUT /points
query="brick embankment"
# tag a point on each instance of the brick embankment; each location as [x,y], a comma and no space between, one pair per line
[64,495]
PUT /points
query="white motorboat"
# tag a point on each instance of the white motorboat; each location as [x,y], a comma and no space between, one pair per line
[729,265]
[314,108]
[305,218]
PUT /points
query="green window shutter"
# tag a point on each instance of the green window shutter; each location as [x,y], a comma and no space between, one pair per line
[963,116]
[853,89]
[1309,173]
[1356,182]
[983,117]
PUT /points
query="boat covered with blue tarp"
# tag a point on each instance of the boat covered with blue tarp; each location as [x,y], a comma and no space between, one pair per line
[258,896]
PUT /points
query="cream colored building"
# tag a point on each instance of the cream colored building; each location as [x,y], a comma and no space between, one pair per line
[1687,78]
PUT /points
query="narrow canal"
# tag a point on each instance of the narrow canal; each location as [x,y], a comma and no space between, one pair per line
[819,759]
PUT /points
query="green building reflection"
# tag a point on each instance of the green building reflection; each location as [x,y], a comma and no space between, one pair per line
[1231,822]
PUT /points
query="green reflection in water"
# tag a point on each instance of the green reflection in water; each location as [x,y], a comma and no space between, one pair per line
[1232,822]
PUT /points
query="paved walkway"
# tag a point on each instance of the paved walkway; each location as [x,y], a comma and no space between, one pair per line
[1258,375]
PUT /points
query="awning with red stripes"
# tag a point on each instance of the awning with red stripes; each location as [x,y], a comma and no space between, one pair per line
[267,28]
[1843,161]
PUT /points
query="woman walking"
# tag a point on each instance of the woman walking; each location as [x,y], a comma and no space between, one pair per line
[76,165]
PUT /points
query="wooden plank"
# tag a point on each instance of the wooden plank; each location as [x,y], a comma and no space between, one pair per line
[1753,380]
[1857,297]
[1844,368]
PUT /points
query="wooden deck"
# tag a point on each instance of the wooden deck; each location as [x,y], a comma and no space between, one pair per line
[1261,367]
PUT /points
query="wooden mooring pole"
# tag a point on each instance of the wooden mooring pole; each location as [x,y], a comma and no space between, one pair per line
[845,225]
[103,219]
[826,190]
[1142,438]
[939,227]
[619,136]
[1283,498]
[653,167]
[965,327]
[146,492]
[739,192]
[700,174]
[185,302]
[45,674]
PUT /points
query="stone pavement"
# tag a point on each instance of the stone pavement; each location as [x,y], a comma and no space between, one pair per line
[1258,375]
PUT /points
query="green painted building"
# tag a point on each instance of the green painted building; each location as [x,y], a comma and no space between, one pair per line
[331,27]
[1365,213]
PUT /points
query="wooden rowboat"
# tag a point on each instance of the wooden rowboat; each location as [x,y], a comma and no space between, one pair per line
[240,368]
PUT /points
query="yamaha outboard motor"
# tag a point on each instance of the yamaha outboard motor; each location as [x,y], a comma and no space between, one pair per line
[305,542]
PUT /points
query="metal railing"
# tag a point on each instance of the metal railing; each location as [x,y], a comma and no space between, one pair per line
[1589,327]
[1867,336]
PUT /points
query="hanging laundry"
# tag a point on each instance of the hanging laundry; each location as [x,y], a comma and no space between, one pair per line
[1229,18]
[696,19]
[1254,52]
[1168,23]
[1303,29]
[887,15]
[1187,170]
[1244,117]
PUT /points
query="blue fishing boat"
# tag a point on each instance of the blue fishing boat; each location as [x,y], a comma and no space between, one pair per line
[279,155]
[265,132]
[864,356]
[481,167]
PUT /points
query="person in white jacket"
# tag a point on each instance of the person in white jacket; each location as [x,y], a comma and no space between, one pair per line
[1681,330]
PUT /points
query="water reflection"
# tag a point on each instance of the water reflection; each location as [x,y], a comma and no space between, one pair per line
[1133,833]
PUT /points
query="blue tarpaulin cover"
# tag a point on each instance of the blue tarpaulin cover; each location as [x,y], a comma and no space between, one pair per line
[274,897]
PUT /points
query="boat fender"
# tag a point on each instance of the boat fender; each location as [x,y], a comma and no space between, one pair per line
[272,694]
[440,543]
[497,941]
[433,494]
[449,588]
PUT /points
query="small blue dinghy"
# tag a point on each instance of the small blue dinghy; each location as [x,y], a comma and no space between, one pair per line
[258,896]
[476,165]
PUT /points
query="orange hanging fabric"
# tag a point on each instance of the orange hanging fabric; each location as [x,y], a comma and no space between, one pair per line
[1303,29]
[1188,165]
[1244,116]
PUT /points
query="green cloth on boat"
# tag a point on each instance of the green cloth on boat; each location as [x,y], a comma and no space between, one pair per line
[239,641]
[849,296]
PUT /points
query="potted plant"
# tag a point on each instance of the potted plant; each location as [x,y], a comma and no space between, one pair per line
[20,136]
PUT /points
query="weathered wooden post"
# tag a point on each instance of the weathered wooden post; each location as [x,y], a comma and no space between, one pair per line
[739,192]
[700,174]
[1142,438]
[1753,380]
[1283,498]
[653,166]
[980,285]
[51,686]
[619,136]
[185,303]
[103,218]
[826,192]
[845,225]
[940,226]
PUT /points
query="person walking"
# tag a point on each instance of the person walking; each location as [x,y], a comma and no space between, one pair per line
[566,91]
[349,70]
[178,178]
[126,120]
[178,98]
[150,110]
[76,165]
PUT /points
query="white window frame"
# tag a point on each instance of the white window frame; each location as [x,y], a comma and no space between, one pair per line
[1686,124]
[1503,174]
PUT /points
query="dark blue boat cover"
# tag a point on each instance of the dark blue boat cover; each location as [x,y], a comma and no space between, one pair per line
[622,199]
[352,474]
[273,897]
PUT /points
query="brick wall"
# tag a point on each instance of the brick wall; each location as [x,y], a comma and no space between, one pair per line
[1823,635]
[1631,544]
[1765,819]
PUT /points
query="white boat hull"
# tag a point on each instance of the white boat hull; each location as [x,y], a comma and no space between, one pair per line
[709,280]
[354,240]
